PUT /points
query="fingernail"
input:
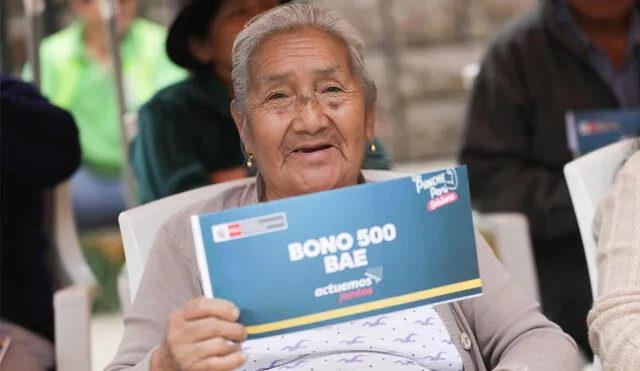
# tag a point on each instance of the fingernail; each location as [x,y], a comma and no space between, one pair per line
[236,313]
[244,356]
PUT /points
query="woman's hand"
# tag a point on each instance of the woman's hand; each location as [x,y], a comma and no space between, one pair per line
[198,337]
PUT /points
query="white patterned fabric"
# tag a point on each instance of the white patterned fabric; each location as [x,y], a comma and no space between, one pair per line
[412,340]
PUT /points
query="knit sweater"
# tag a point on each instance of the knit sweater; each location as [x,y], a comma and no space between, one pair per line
[614,321]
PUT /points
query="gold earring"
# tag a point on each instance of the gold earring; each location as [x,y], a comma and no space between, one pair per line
[372,147]
[250,161]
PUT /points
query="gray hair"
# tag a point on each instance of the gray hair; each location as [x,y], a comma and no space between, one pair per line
[290,17]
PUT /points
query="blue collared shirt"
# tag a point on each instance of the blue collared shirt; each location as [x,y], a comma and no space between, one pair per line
[623,81]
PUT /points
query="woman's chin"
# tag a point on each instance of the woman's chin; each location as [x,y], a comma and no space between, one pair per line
[310,181]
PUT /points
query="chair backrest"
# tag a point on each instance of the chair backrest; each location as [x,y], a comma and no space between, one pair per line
[508,235]
[589,178]
[140,225]
[512,244]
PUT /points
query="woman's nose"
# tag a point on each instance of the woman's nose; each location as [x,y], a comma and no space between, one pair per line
[310,118]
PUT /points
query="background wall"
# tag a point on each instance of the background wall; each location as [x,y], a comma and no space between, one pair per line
[415,51]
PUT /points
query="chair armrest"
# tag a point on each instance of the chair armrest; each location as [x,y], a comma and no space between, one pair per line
[509,233]
[72,312]
[124,293]
[68,248]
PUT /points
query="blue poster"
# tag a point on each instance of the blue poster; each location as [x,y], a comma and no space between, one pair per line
[590,130]
[345,254]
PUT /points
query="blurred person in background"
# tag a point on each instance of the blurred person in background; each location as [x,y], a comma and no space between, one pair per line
[563,55]
[40,149]
[614,321]
[77,75]
[187,138]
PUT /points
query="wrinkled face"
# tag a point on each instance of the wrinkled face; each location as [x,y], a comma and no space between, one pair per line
[89,11]
[305,117]
[602,9]
[229,21]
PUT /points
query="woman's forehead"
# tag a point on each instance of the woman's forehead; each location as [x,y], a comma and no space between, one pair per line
[311,52]
[319,72]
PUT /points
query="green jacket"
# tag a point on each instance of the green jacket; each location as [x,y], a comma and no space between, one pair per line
[72,80]
[185,133]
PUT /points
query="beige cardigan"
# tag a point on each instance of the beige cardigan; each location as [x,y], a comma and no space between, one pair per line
[500,330]
[614,321]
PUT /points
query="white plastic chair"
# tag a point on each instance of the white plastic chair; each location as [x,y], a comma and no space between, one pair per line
[589,178]
[140,225]
[512,245]
[72,301]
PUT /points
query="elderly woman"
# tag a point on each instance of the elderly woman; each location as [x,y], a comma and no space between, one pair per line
[187,138]
[304,105]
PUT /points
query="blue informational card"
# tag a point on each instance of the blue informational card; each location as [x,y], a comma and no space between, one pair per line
[344,254]
[590,130]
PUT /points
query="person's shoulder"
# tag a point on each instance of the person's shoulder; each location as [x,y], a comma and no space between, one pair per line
[375,175]
[60,44]
[519,32]
[151,27]
[168,97]
[7,81]
[149,31]
[632,165]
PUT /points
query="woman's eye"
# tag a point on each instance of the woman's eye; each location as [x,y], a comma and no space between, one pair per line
[277,96]
[333,89]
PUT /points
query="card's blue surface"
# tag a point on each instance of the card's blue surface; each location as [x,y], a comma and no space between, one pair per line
[343,254]
[590,130]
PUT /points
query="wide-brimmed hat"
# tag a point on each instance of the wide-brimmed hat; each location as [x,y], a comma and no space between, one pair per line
[194,15]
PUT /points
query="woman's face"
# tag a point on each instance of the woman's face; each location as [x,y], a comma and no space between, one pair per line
[602,9]
[305,118]
[89,10]
[229,21]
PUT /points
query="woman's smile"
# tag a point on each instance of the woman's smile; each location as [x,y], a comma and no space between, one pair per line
[313,153]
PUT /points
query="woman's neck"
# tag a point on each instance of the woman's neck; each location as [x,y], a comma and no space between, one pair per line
[266,193]
[96,41]
[604,27]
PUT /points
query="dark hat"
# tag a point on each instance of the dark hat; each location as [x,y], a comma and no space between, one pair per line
[193,19]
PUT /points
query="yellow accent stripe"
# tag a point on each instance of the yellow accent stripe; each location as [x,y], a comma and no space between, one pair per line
[366,307]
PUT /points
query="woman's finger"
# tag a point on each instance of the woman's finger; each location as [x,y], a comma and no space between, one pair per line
[222,363]
[216,347]
[204,307]
[209,328]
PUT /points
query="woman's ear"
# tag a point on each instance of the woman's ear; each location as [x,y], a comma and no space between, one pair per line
[243,127]
[201,50]
[370,123]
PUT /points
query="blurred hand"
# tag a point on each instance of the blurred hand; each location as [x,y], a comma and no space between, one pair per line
[197,338]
